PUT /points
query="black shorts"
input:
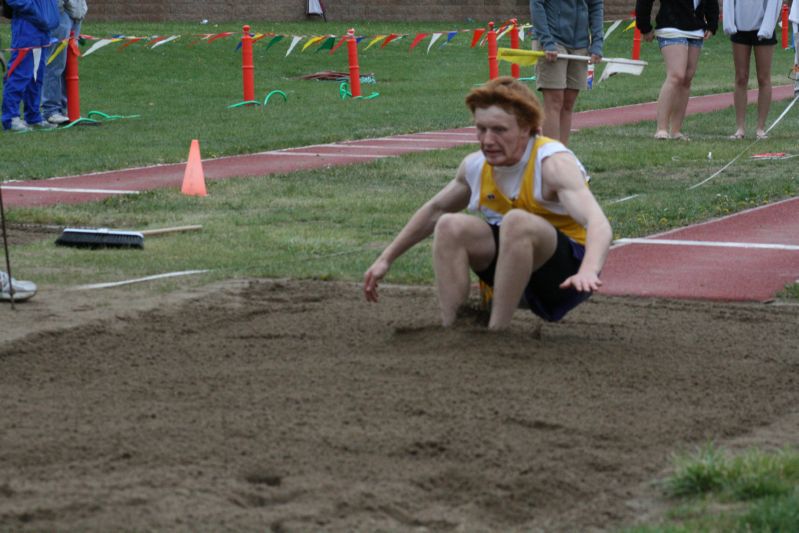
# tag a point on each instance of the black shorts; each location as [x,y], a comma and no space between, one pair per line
[750,38]
[543,293]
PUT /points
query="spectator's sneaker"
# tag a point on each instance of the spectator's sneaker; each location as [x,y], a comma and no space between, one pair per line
[43,125]
[19,125]
[57,119]
[23,290]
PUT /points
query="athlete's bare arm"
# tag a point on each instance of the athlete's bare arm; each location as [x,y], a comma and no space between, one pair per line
[563,179]
[452,198]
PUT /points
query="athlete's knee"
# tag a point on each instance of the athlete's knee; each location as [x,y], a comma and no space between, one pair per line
[519,224]
[451,226]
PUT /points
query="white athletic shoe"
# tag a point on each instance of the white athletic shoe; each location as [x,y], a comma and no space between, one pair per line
[57,119]
[23,290]
[18,125]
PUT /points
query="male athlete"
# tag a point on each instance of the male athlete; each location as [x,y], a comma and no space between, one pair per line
[542,238]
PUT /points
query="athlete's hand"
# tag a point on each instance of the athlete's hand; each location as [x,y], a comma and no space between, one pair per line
[371,278]
[551,55]
[582,282]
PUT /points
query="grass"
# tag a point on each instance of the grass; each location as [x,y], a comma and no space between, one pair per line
[330,223]
[716,491]
[181,92]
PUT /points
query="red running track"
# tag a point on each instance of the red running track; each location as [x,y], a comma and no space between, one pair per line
[747,256]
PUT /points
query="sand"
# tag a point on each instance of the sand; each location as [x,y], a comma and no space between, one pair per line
[295,406]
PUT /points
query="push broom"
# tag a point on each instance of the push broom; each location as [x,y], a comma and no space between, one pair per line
[108,238]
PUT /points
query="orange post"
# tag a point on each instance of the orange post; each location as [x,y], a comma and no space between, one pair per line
[636,43]
[514,43]
[785,26]
[493,67]
[355,70]
[247,68]
[72,79]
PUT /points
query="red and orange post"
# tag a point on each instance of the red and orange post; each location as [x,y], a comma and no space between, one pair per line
[72,79]
[514,43]
[493,66]
[247,67]
[636,41]
[785,26]
[355,69]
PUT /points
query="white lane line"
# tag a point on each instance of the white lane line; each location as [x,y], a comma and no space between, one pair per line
[66,189]
[319,154]
[137,280]
[716,244]
[448,134]
[391,147]
[417,140]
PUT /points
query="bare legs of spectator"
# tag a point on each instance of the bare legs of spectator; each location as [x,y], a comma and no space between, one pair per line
[558,111]
[681,62]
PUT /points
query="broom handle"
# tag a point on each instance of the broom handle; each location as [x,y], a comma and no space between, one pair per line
[176,229]
[604,59]
[5,247]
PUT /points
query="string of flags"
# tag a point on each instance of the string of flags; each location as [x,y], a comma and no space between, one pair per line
[327,42]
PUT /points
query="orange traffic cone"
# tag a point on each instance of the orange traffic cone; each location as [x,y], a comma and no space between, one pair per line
[193,178]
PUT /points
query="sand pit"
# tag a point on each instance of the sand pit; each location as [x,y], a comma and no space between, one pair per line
[296,406]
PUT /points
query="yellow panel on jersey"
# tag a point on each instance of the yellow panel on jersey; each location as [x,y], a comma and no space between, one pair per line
[493,198]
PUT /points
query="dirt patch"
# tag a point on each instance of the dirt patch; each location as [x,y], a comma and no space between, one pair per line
[26,233]
[296,406]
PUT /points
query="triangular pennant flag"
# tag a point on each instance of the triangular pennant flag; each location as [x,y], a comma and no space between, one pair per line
[220,36]
[524,58]
[73,45]
[522,31]
[502,31]
[373,41]
[450,36]
[477,34]
[37,59]
[359,39]
[58,50]
[99,44]
[131,40]
[311,41]
[611,29]
[294,40]
[164,41]
[338,44]
[389,39]
[272,41]
[328,44]
[631,26]
[433,39]
[619,67]
[21,53]
[417,40]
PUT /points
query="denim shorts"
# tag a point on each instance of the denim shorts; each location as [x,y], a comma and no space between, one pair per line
[666,41]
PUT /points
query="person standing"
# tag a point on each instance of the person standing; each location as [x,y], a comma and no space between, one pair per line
[31,24]
[682,28]
[564,27]
[54,95]
[750,25]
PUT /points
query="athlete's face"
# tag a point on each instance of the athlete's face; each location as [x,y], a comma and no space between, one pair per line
[502,141]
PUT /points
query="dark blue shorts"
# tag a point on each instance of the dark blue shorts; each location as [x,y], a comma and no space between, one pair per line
[543,293]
